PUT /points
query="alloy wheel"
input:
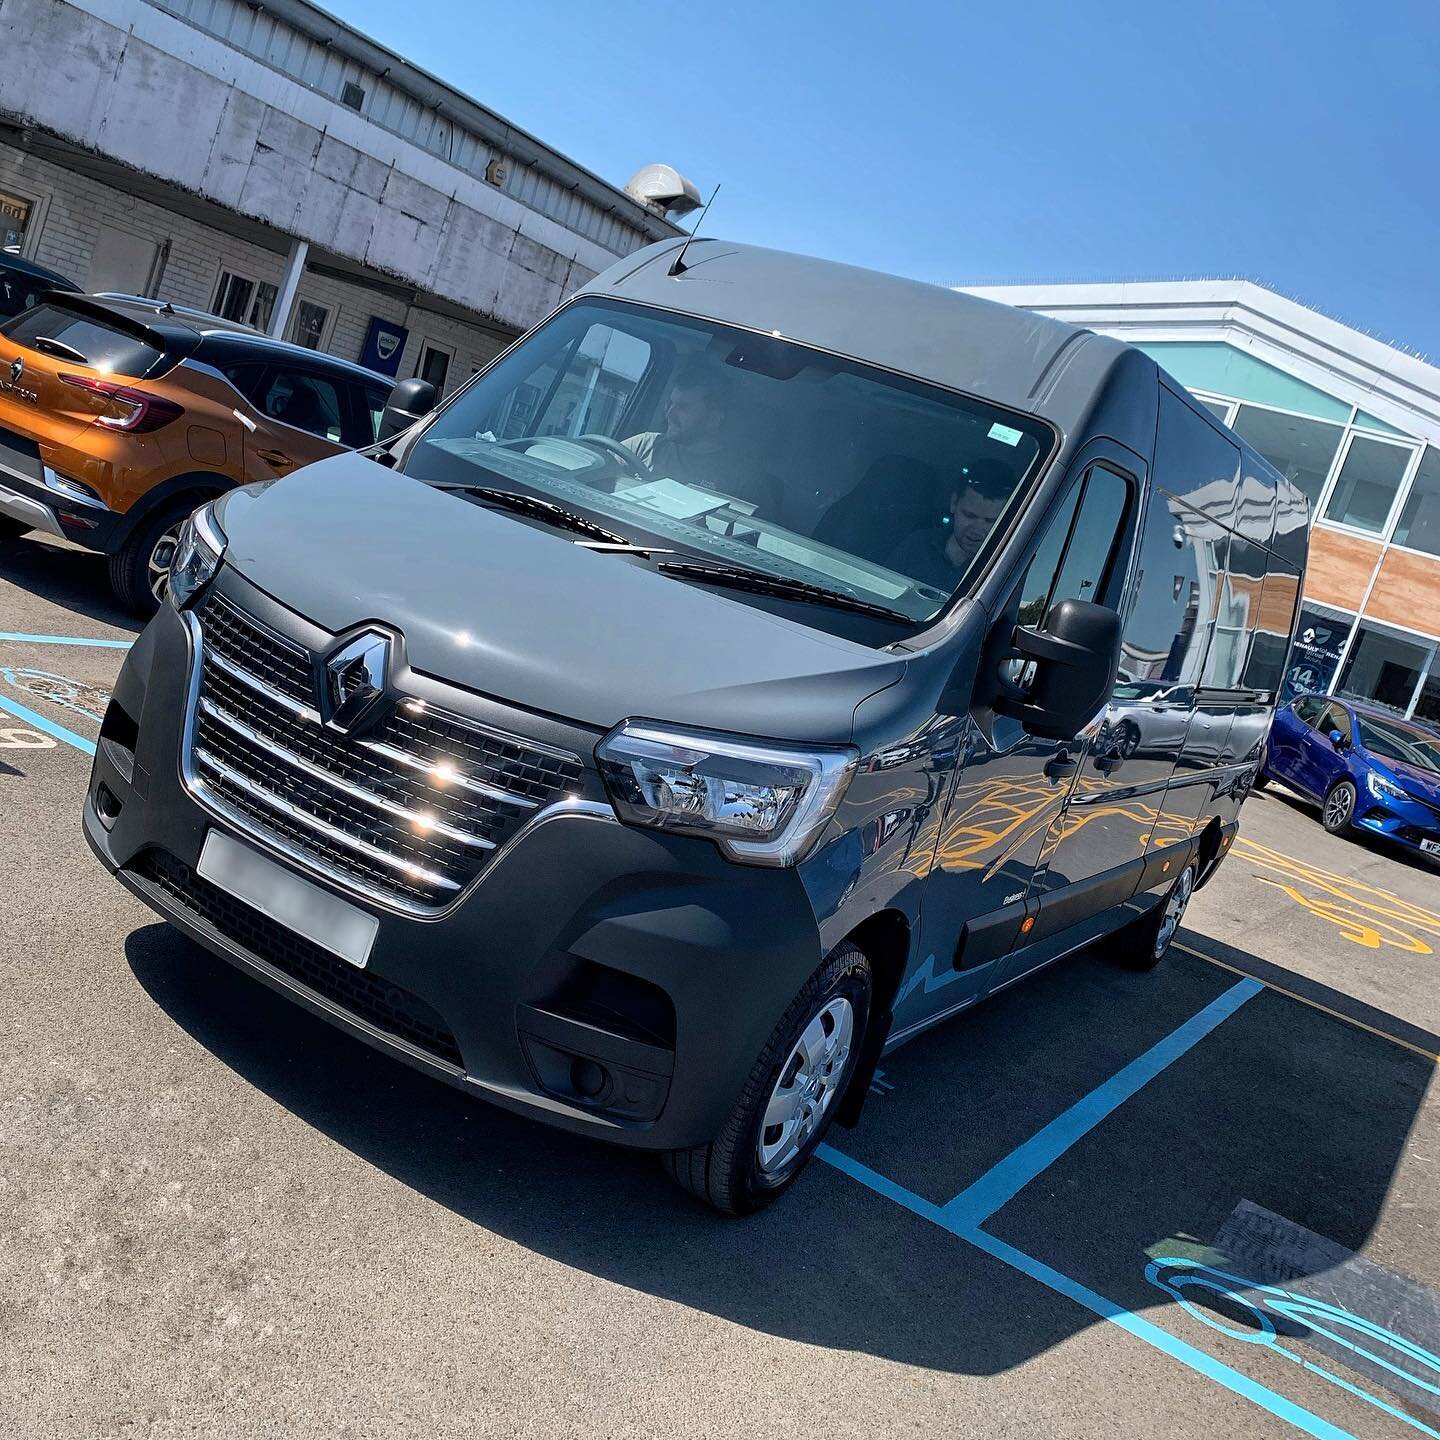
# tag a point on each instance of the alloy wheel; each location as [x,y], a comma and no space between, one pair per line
[1338,807]
[806,1086]
[1174,912]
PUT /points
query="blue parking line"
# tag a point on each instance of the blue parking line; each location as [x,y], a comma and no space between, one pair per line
[39,722]
[1142,1329]
[64,640]
[1001,1183]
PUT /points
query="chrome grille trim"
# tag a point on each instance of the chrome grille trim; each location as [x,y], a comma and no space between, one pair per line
[286,702]
[330,832]
[423,823]
[463,782]
[402,818]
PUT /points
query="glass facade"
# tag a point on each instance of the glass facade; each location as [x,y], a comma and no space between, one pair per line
[1419,526]
[1368,482]
[1362,476]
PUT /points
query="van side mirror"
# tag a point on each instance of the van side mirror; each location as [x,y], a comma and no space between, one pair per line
[409,401]
[1075,656]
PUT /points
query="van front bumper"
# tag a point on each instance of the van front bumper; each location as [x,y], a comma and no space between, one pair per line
[609,980]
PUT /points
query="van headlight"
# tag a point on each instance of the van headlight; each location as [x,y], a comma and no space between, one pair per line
[762,804]
[197,556]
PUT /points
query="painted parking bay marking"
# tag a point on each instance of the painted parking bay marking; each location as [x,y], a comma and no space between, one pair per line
[1363,914]
[963,1217]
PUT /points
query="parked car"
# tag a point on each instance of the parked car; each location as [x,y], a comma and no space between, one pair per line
[1365,767]
[23,284]
[714,692]
[118,416]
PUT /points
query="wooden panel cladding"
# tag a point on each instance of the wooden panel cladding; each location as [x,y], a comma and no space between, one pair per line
[1339,568]
[1407,592]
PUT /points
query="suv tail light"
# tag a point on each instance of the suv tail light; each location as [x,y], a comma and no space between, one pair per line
[136,412]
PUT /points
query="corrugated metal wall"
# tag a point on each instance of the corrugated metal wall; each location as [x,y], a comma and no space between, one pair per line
[272,42]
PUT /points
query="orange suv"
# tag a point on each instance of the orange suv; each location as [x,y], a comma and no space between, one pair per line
[118,416]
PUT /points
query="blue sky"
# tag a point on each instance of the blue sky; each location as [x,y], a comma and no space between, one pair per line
[1296,143]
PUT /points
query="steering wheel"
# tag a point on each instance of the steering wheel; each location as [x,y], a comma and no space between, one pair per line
[616,451]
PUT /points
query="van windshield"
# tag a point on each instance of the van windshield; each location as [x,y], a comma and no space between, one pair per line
[744,450]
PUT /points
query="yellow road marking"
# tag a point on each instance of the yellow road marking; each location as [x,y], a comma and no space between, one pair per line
[1313,1004]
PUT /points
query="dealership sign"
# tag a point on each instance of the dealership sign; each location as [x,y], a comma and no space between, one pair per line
[1315,655]
[384,344]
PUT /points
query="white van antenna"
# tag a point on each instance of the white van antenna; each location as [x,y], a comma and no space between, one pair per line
[677,265]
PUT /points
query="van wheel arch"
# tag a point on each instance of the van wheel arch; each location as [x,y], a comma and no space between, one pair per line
[1208,849]
[885,939]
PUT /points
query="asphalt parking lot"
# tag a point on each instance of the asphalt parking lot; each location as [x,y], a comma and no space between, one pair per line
[1199,1202]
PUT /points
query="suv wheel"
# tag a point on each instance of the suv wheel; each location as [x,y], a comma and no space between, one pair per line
[1148,942]
[790,1098]
[140,569]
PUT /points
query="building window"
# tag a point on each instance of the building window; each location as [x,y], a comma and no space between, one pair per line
[247,302]
[15,216]
[1220,409]
[352,96]
[1368,483]
[1301,450]
[1419,526]
[307,324]
[434,366]
[1383,667]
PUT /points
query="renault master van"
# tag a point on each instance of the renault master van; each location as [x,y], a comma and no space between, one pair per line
[760,662]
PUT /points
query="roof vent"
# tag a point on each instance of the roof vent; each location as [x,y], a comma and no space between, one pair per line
[663,190]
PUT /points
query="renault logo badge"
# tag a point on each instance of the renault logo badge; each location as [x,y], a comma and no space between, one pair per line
[355,679]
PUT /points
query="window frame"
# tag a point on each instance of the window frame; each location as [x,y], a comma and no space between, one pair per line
[1320,515]
[255,284]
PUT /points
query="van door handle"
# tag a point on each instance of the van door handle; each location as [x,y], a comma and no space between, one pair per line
[1060,766]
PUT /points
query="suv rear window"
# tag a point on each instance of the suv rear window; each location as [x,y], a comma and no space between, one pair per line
[105,347]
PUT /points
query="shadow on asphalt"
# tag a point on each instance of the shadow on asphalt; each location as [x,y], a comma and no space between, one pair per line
[1281,1106]
[77,580]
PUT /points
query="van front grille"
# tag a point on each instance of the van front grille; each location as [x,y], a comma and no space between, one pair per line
[411,810]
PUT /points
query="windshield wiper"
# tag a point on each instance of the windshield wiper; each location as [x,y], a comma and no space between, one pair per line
[59,348]
[546,510]
[762,582]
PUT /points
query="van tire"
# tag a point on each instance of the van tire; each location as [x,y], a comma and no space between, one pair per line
[727,1173]
[130,565]
[1147,942]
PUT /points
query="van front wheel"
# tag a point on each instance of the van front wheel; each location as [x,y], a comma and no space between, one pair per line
[791,1095]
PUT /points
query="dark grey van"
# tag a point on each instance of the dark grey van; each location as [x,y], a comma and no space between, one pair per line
[760,662]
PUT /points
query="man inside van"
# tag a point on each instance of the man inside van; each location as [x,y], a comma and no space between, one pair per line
[692,447]
[941,553]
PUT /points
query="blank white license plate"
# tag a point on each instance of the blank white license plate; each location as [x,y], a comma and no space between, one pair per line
[342,928]
[1431,847]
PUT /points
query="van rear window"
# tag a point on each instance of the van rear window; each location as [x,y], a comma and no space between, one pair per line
[105,347]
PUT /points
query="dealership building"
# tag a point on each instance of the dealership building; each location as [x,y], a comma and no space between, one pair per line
[270,164]
[1352,421]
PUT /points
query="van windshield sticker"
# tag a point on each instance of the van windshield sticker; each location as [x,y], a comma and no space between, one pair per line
[1006,434]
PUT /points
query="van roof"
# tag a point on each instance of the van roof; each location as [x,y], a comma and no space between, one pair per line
[1014,357]
[945,336]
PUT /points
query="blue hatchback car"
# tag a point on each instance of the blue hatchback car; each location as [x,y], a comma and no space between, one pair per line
[1366,768]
